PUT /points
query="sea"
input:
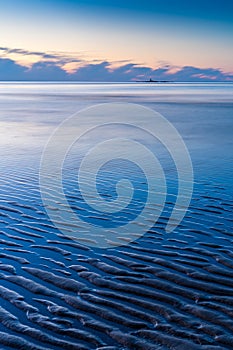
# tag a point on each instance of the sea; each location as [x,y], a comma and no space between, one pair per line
[92,255]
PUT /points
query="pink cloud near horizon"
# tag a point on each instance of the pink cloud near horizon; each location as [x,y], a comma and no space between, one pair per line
[53,67]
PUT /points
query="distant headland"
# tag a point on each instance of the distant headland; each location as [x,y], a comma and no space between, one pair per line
[153,81]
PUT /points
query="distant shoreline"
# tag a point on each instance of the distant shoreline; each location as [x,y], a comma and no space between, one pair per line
[110,82]
[154,81]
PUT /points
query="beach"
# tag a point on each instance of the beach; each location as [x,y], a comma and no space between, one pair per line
[160,290]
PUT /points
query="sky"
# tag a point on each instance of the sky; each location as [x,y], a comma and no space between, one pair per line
[114,40]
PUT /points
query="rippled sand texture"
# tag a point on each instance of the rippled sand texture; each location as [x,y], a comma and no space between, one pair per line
[163,291]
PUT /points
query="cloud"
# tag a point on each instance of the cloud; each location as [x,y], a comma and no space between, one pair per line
[60,58]
[9,70]
[105,71]
[44,71]
[53,67]
[189,73]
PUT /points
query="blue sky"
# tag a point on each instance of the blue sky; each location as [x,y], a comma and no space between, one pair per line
[77,37]
[208,10]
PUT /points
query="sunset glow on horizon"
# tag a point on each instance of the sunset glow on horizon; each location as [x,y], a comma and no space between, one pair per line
[147,35]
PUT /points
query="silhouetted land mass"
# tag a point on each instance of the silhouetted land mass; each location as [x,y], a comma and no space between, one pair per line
[153,81]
